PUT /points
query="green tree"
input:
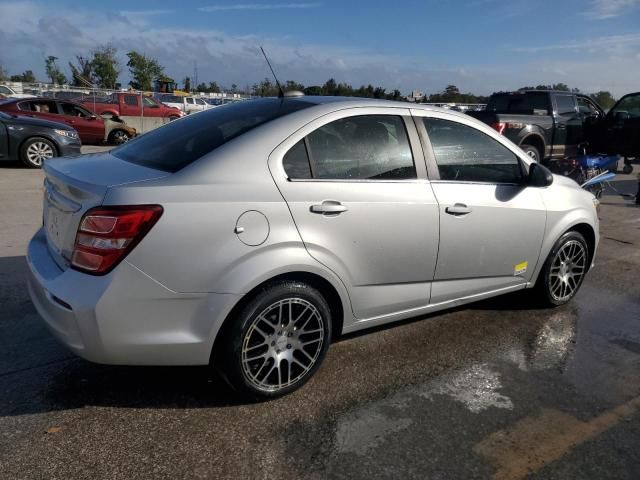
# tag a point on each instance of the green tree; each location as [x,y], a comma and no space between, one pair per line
[265,89]
[187,84]
[329,87]
[313,90]
[214,87]
[106,67]
[144,70]
[604,99]
[82,74]
[53,72]
[3,74]
[27,76]
[234,88]
[293,85]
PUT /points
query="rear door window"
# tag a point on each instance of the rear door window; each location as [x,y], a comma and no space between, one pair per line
[296,162]
[565,105]
[183,141]
[131,100]
[366,147]
[529,103]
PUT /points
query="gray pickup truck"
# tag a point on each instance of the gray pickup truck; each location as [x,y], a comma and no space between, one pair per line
[546,124]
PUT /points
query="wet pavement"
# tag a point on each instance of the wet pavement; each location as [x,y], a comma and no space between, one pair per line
[491,390]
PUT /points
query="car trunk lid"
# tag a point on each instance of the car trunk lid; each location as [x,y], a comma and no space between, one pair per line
[73,186]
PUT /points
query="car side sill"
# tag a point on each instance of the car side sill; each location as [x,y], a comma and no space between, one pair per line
[414,312]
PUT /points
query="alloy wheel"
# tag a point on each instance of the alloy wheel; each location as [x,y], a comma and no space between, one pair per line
[37,152]
[282,344]
[567,269]
[120,137]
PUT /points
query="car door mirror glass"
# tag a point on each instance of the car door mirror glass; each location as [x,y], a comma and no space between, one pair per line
[539,176]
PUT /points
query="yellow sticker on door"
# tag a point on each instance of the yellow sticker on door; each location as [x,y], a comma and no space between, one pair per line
[520,268]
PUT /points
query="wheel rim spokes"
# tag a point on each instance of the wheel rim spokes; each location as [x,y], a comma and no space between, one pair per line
[282,344]
[567,269]
[39,151]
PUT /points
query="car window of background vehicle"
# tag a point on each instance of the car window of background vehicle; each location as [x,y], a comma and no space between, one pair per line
[465,154]
[630,105]
[565,105]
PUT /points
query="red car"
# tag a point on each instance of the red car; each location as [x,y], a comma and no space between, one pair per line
[127,105]
[92,128]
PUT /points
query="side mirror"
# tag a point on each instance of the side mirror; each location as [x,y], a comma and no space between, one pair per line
[539,176]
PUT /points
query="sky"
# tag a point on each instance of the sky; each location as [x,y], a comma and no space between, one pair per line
[481,46]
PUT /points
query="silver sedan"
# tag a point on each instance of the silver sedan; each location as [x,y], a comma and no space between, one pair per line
[250,236]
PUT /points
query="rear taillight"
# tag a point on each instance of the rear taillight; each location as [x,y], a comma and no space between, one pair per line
[499,127]
[107,234]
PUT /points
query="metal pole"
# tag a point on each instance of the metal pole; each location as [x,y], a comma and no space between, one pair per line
[141,114]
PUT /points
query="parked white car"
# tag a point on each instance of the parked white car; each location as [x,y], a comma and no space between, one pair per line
[186,104]
[11,93]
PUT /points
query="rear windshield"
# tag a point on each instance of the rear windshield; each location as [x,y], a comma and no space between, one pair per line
[183,141]
[523,103]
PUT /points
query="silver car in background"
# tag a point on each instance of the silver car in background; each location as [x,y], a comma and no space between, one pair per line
[250,236]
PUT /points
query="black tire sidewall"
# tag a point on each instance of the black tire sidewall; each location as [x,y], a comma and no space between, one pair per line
[543,282]
[29,141]
[229,359]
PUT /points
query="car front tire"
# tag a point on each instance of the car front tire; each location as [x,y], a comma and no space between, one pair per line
[34,151]
[564,270]
[277,341]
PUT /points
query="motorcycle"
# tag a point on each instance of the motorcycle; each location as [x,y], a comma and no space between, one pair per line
[589,171]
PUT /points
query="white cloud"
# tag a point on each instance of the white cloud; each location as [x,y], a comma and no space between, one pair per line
[258,6]
[604,9]
[602,43]
[146,13]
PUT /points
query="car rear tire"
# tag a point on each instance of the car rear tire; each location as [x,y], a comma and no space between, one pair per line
[118,137]
[34,151]
[173,117]
[532,152]
[277,341]
[563,271]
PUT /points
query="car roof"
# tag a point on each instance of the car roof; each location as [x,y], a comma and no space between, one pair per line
[350,102]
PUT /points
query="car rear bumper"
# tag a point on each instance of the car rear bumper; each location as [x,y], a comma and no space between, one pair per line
[125,317]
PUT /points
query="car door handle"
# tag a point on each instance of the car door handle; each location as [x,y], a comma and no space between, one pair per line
[329,208]
[458,209]
[561,126]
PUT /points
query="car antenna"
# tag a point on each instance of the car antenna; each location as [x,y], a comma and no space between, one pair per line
[281,92]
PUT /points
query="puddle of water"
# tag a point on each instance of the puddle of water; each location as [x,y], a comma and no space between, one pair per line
[476,387]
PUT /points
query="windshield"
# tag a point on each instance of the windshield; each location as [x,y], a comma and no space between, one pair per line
[523,103]
[183,141]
